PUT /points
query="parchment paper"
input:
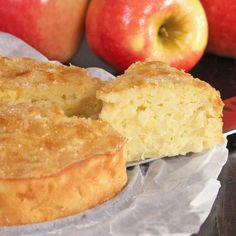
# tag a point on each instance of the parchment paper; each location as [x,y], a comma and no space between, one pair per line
[169,196]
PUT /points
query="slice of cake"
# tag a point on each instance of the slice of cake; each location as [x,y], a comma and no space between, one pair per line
[53,166]
[69,87]
[162,111]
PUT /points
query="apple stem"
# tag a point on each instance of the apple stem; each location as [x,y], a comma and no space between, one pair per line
[163,32]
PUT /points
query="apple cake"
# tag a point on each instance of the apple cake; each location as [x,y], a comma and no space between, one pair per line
[52,165]
[69,87]
[162,111]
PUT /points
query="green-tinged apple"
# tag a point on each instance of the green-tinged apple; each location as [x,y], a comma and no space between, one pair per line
[124,31]
[54,27]
[221,16]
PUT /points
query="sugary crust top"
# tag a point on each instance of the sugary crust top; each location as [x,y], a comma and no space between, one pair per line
[27,73]
[148,74]
[39,140]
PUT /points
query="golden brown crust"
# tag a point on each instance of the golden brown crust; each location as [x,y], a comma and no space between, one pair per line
[149,73]
[52,166]
[38,141]
[24,72]
[69,87]
[78,187]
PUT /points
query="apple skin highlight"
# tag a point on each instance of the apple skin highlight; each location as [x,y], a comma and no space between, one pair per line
[55,28]
[174,31]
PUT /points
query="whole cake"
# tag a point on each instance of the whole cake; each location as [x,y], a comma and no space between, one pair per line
[52,166]
[56,159]
[162,111]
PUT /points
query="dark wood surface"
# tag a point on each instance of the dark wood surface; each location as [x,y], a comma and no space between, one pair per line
[221,73]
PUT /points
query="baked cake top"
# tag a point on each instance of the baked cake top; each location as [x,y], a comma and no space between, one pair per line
[25,73]
[39,140]
[148,74]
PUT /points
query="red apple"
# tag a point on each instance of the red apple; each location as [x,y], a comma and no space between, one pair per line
[124,31]
[54,27]
[221,16]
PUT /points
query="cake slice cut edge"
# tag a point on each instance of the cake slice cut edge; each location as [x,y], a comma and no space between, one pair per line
[162,111]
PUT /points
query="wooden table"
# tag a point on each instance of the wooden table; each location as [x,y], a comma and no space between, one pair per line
[221,73]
